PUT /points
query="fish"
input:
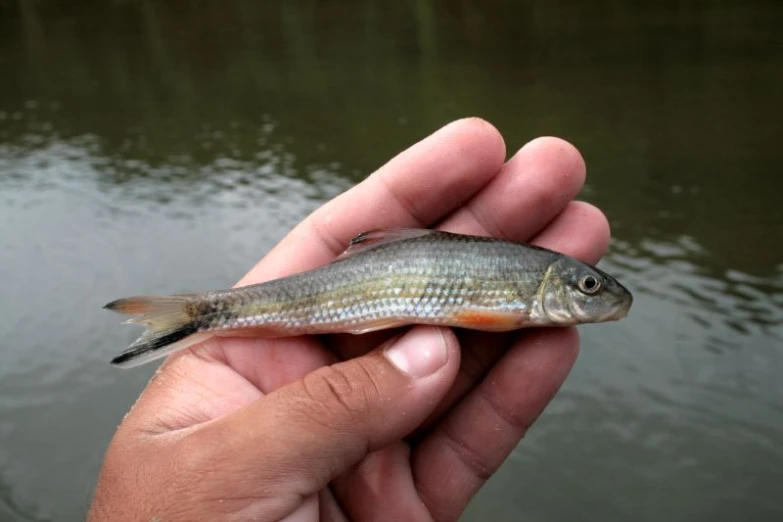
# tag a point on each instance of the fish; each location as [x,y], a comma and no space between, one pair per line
[387,279]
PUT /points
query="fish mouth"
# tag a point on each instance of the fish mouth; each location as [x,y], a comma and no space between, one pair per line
[621,310]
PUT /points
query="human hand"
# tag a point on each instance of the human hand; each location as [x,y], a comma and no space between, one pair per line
[395,425]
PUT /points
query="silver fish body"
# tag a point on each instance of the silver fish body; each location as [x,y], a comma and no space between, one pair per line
[387,279]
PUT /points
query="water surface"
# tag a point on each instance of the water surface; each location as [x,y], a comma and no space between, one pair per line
[166,146]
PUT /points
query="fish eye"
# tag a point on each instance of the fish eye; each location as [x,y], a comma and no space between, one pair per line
[589,284]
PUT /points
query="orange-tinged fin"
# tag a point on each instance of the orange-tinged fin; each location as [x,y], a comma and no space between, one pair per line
[169,327]
[375,238]
[487,320]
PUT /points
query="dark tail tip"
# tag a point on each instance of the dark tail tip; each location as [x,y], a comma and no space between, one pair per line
[153,345]
[124,358]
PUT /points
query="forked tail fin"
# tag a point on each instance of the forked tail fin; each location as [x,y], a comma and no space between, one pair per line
[170,327]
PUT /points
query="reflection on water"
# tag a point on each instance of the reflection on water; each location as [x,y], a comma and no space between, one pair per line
[739,301]
[166,147]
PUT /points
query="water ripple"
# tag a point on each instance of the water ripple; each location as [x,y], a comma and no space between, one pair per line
[742,302]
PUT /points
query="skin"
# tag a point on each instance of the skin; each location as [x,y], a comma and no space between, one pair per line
[330,428]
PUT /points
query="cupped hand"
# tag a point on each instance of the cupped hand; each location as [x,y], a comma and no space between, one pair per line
[397,425]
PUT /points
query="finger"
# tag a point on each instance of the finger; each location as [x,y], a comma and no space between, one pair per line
[581,231]
[291,358]
[291,443]
[416,188]
[473,440]
[381,487]
[533,187]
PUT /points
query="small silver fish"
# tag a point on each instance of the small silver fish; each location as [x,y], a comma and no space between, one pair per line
[383,280]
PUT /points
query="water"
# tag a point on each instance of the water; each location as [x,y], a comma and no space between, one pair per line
[149,146]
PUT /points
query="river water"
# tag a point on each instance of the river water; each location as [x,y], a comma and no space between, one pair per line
[166,146]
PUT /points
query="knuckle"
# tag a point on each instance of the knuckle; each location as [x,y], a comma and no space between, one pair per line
[518,424]
[332,388]
[474,459]
[323,233]
[337,397]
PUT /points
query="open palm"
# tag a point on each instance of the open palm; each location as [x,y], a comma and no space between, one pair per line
[204,413]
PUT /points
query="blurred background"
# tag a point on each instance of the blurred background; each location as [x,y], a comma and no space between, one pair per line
[164,146]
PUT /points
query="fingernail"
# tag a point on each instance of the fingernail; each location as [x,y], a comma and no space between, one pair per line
[420,352]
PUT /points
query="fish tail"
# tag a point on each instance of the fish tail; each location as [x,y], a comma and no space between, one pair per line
[170,327]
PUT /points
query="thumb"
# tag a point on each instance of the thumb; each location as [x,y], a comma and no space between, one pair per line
[295,440]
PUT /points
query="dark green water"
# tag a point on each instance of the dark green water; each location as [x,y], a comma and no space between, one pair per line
[166,146]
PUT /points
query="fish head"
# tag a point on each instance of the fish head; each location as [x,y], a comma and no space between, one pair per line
[573,292]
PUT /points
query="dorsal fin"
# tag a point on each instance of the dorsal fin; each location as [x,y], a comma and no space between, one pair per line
[375,238]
